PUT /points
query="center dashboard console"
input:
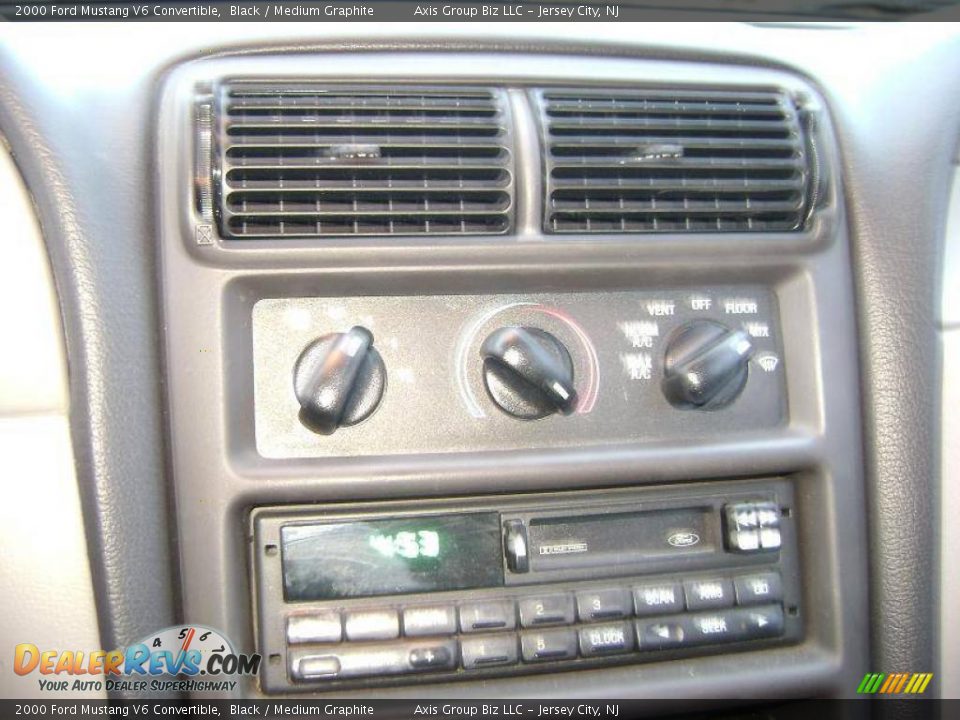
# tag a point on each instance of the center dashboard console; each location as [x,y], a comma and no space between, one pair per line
[489,377]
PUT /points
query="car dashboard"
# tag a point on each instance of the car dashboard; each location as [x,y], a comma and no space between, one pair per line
[538,360]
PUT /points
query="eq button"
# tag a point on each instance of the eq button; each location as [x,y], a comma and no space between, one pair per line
[759,589]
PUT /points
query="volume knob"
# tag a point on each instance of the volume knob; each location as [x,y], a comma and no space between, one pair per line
[339,380]
[705,365]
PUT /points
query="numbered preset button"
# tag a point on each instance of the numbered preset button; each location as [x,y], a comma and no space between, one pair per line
[603,604]
[546,610]
[545,645]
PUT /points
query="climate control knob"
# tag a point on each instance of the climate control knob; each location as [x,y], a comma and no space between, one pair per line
[339,380]
[528,372]
[705,365]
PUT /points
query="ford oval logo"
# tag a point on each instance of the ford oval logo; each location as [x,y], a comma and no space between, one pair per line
[683,539]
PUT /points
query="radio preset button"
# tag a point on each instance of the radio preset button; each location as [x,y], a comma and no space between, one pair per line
[317,627]
[707,594]
[372,625]
[433,620]
[545,645]
[758,589]
[546,610]
[658,599]
[606,639]
[488,650]
[490,615]
[605,604]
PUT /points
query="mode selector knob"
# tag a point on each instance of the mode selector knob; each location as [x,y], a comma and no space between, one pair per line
[705,365]
[339,380]
[528,372]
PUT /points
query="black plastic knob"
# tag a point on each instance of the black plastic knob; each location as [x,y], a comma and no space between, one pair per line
[339,380]
[516,547]
[705,365]
[528,372]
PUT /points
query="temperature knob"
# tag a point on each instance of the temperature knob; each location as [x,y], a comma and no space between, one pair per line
[705,365]
[528,372]
[339,380]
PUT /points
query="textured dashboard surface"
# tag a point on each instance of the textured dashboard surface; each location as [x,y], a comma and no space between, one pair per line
[63,123]
[897,255]
[66,136]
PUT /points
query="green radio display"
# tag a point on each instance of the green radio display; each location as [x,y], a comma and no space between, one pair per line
[366,558]
[410,544]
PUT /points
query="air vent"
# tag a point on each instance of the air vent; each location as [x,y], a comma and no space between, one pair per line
[672,161]
[311,161]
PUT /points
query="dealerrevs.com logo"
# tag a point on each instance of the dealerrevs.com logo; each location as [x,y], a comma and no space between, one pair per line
[190,658]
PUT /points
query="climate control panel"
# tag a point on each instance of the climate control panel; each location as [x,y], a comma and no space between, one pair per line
[344,376]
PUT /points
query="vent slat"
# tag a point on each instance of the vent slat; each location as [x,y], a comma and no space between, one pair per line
[672,208]
[692,124]
[694,185]
[304,215]
[271,145]
[615,142]
[382,163]
[672,160]
[656,110]
[308,160]
[365,93]
[693,165]
[356,105]
[588,96]
[377,123]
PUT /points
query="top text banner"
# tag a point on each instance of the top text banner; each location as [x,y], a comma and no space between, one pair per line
[462,11]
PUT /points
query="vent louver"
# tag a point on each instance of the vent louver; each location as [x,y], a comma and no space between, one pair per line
[672,161]
[305,160]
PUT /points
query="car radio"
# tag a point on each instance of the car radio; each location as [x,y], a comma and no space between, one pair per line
[471,588]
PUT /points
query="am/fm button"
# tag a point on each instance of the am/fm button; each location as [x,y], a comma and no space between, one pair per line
[708,594]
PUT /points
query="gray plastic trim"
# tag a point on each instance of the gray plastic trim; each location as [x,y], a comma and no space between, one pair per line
[876,77]
[209,292]
[948,631]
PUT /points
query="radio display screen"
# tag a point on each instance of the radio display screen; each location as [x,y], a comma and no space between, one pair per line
[365,558]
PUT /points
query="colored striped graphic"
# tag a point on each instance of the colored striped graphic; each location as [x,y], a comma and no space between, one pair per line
[894,683]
